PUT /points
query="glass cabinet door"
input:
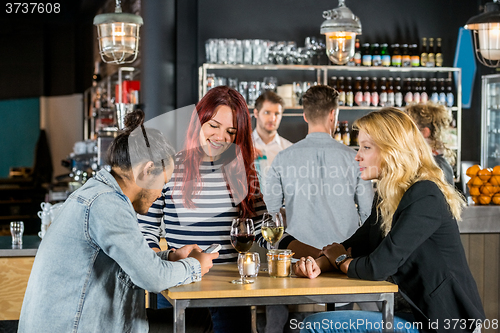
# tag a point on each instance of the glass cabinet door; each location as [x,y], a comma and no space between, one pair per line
[490,122]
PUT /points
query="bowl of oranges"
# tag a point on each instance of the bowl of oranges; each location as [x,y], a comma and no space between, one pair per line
[484,184]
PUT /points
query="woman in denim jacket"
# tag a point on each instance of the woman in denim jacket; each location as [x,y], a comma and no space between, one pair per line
[93,265]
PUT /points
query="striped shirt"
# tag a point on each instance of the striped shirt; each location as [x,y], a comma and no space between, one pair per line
[208,223]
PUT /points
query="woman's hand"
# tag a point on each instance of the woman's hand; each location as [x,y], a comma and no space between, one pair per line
[333,251]
[307,267]
[183,252]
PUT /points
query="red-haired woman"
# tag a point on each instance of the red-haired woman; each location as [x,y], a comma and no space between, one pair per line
[213,182]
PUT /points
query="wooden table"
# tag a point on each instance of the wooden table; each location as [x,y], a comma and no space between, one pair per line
[216,289]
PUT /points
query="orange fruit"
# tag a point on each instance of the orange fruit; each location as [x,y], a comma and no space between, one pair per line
[473,170]
[475,199]
[474,191]
[484,199]
[475,181]
[496,199]
[495,180]
[496,171]
[488,189]
[484,174]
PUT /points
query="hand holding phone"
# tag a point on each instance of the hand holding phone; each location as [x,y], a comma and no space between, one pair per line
[213,248]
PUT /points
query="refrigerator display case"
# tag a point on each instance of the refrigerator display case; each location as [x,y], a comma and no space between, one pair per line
[490,121]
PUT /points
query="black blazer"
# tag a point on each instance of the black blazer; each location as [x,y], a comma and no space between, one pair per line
[424,255]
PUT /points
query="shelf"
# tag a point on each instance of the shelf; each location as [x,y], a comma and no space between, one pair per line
[392,69]
[323,72]
[264,67]
[348,108]
[337,68]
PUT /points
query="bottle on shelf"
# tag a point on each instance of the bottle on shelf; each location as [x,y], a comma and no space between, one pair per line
[333,82]
[384,54]
[433,90]
[450,98]
[439,54]
[338,135]
[346,135]
[341,90]
[96,77]
[354,137]
[374,98]
[416,90]
[442,91]
[431,56]
[349,94]
[382,96]
[376,56]
[396,60]
[367,96]
[357,54]
[423,52]
[358,92]
[97,98]
[367,55]
[415,57]
[390,92]
[398,93]
[405,56]
[424,97]
[407,91]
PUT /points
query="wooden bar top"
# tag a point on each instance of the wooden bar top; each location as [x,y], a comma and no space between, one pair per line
[217,284]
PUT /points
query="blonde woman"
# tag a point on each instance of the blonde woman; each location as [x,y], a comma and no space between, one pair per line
[412,233]
[433,120]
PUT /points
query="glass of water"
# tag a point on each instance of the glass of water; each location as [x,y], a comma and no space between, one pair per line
[17,230]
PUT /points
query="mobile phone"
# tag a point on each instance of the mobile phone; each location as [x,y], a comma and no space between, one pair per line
[213,248]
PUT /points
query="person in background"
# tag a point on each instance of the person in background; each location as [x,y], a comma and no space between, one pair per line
[268,143]
[412,234]
[319,182]
[213,182]
[93,265]
[433,120]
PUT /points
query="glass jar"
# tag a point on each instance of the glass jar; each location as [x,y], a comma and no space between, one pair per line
[279,262]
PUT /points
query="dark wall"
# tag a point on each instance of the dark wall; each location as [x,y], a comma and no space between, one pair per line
[46,54]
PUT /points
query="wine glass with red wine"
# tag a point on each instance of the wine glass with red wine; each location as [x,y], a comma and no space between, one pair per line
[242,238]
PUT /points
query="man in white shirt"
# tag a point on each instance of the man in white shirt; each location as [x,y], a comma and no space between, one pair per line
[268,112]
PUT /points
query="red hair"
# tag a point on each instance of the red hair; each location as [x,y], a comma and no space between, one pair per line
[193,154]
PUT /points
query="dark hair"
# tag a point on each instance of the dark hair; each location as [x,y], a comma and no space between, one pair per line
[136,144]
[269,96]
[318,101]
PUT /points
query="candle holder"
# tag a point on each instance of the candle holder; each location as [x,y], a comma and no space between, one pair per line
[248,266]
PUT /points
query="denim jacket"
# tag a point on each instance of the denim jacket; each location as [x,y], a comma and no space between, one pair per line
[93,265]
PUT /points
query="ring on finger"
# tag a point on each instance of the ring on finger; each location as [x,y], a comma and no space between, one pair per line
[308,260]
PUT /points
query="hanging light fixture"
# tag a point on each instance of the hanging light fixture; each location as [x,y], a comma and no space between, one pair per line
[118,35]
[340,29]
[486,30]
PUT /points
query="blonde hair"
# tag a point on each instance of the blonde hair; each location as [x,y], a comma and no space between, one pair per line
[405,159]
[437,119]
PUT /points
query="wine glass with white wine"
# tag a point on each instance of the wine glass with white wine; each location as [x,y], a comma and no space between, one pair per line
[272,227]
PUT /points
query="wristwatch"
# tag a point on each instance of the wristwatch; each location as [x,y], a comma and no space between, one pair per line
[340,259]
